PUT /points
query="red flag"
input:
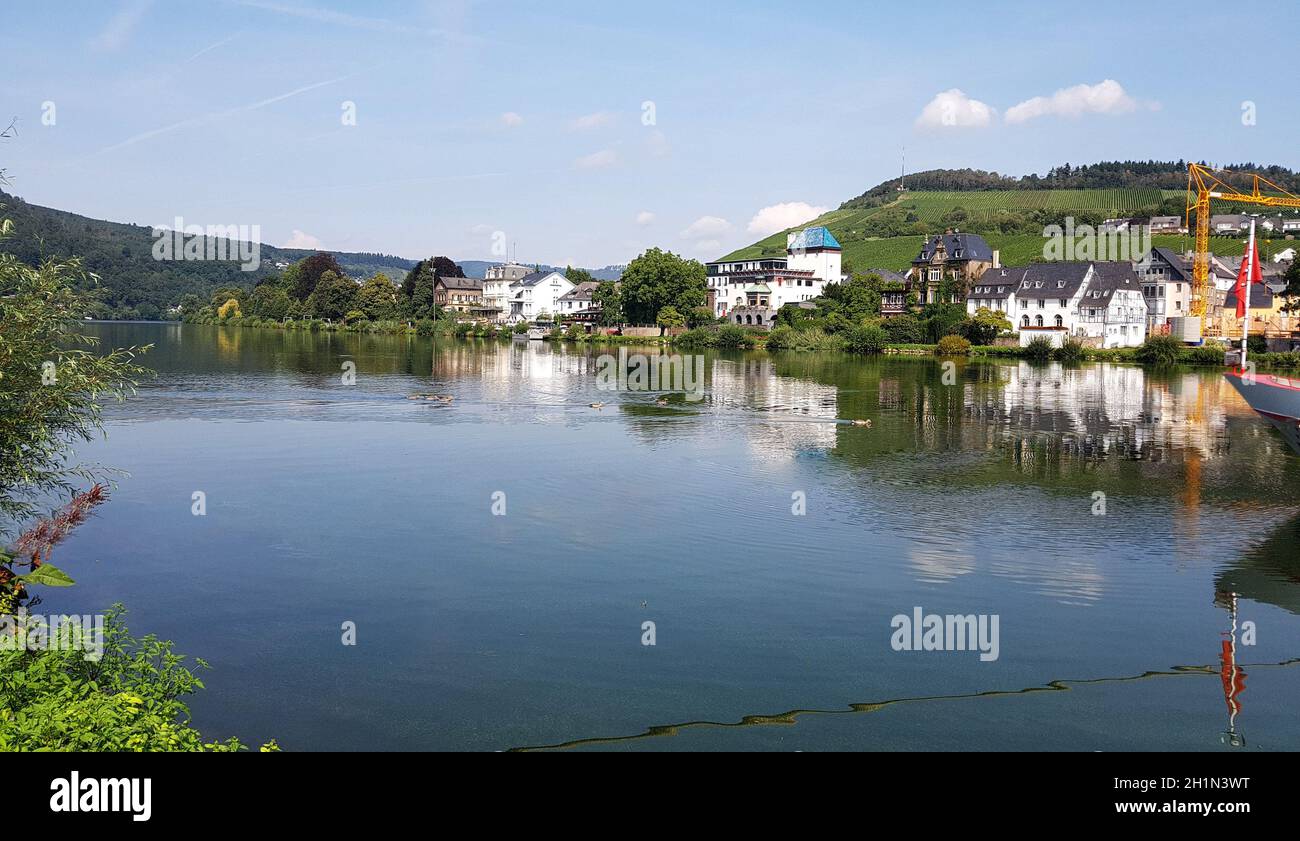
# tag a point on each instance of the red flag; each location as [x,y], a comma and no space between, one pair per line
[1250,272]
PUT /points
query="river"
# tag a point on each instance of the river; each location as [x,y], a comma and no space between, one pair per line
[501,555]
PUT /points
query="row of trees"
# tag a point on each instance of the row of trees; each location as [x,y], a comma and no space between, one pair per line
[856,303]
[317,287]
[658,287]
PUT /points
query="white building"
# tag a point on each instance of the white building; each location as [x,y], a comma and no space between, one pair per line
[537,294]
[496,288]
[995,290]
[752,291]
[1069,300]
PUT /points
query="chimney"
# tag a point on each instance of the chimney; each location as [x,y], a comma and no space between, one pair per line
[997,258]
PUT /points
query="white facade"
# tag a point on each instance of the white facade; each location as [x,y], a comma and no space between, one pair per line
[497,281]
[1106,303]
[1119,320]
[812,250]
[536,294]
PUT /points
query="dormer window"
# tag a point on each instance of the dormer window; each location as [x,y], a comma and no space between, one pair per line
[1060,284]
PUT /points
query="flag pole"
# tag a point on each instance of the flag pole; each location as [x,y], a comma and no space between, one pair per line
[1250,274]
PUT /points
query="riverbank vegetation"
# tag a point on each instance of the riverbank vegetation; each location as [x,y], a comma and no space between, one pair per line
[53,382]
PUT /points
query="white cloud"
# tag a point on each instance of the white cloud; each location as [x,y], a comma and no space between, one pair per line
[706,226]
[597,160]
[645,217]
[779,217]
[708,246]
[952,108]
[302,240]
[1106,97]
[121,26]
[510,119]
[590,121]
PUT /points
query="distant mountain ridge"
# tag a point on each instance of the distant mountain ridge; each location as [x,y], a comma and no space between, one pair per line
[1104,175]
[132,284]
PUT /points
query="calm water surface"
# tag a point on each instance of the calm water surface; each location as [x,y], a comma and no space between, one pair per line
[329,503]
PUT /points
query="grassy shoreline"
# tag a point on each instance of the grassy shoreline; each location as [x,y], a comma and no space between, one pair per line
[723,339]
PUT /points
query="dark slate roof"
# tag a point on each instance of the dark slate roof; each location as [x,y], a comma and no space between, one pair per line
[1261,298]
[1176,262]
[971,246]
[888,276]
[534,278]
[581,292]
[1108,278]
[460,283]
[1051,280]
[997,284]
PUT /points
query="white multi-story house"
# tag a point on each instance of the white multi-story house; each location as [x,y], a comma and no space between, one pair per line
[537,294]
[752,291]
[577,300]
[995,290]
[1071,300]
[496,289]
[1113,308]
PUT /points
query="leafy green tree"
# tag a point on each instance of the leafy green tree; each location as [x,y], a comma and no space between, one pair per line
[609,298]
[226,293]
[309,272]
[658,279]
[1292,292]
[856,300]
[699,317]
[577,276]
[333,296]
[669,317]
[52,379]
[377,298]
[269,300]
[986,325]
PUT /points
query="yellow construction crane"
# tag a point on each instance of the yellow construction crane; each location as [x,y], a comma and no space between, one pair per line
[1204,184]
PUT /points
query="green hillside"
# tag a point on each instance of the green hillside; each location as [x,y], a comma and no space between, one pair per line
[131,283]
[890,235]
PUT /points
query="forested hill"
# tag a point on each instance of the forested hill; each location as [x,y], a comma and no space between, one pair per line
[132,283]
[1157,175]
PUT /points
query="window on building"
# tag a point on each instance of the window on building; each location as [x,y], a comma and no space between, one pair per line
[1038,321]
[1060,322]
[1024,322]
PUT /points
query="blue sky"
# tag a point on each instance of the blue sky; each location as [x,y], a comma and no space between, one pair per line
[528,119]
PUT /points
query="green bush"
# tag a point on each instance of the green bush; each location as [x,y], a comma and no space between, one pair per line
[904,330]
[868,338]
[128,700]
[734,336]
[954,346]
[521,328]
[424,327]
[1208,355]
[1160,350]
[1039,349]
[782,337]
[1071,350]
